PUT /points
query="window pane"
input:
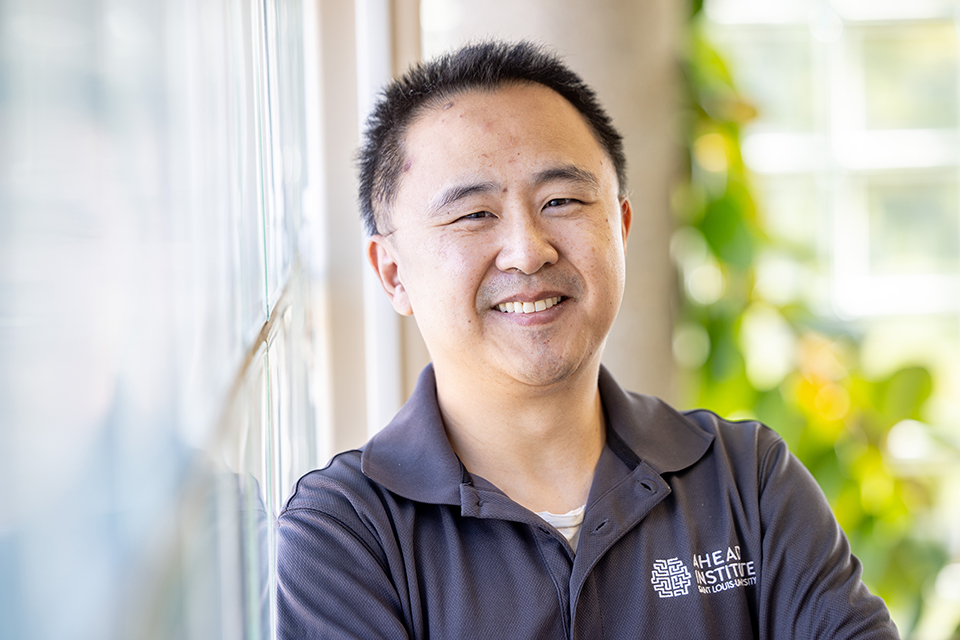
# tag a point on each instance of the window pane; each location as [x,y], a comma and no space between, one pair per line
[284,43]
[773,70]
[910,77]
[246,77]
[759,11]
[913,226]
[790,209]
[290,374]
[132,295]
[256,516]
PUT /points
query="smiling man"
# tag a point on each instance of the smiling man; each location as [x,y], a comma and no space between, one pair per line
[520,492]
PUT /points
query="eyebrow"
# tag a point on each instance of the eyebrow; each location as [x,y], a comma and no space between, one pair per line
[459,192]
[568,173]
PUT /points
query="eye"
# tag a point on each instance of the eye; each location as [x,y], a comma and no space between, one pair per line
[476,215]
[559,202]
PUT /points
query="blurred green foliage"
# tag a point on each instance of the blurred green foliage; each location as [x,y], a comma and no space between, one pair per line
[745,355]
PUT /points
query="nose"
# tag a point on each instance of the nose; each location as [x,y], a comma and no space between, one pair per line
[526,246]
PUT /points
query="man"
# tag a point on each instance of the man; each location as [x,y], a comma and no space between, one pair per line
[520,492]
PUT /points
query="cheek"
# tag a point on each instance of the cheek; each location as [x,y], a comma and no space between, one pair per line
[466,258]
[444,272]
[604,267]
[618,266]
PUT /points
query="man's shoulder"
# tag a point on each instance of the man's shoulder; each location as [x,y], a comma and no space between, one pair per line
[677,438]
[338,486]
[670,439]
[733,429]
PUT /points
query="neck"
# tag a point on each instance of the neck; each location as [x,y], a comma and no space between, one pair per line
[538,445]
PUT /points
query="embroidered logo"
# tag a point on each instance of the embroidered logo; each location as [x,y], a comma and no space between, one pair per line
[670,578]
[723,569]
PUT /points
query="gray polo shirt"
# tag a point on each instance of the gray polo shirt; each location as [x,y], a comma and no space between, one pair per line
[695,527]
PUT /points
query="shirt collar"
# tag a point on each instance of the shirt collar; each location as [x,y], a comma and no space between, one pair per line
[654,431]
[412,457]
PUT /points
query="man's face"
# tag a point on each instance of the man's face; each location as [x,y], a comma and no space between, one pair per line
[507,203]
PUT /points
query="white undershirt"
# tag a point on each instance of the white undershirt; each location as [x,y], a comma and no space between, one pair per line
[568,524]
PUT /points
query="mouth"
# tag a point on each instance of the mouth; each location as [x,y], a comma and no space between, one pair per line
[529,307]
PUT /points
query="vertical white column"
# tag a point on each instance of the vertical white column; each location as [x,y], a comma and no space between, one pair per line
[341,277]
[381,323]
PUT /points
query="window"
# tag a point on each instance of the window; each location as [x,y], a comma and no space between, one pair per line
[854,159]
[159,391]
[858,119]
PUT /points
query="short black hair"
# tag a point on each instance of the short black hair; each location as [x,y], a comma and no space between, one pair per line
[484,66]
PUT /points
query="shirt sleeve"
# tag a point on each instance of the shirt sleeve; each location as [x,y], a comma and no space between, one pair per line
[333,581]
[811,583]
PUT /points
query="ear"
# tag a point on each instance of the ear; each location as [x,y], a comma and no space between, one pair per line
[626,218]
[380,253]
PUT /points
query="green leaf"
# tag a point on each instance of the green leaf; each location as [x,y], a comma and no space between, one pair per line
[728,236]
[904,393]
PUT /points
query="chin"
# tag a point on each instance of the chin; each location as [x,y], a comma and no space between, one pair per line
[546,372]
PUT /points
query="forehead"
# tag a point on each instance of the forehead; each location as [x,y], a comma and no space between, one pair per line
[505,135]
[511,113]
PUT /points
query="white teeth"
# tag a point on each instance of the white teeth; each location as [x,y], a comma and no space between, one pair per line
[528,307]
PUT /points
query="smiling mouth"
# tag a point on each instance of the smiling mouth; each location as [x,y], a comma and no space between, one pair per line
[529,307]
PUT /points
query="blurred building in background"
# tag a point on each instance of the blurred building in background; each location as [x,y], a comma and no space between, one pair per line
[187,324]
